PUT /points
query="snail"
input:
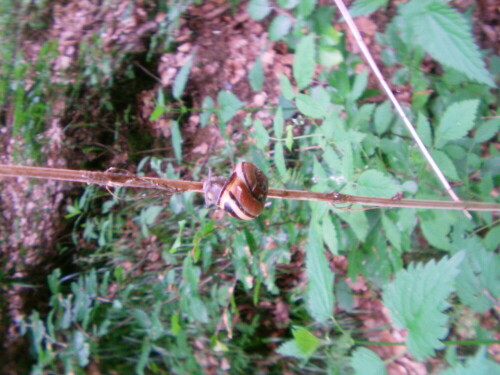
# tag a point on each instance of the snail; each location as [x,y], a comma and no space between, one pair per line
[242,195]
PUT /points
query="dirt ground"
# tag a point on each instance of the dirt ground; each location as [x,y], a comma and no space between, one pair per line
[225,42]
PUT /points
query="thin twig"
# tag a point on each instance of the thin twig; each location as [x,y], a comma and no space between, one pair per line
[111,179]
[373,65]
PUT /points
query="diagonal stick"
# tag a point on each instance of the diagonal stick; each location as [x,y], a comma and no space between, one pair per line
[364,49]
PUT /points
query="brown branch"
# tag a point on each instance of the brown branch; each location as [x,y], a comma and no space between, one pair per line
[113,179]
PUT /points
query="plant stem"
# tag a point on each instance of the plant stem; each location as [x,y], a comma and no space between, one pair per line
[112,179]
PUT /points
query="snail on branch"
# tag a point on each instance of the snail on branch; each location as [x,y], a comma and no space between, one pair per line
[242,195]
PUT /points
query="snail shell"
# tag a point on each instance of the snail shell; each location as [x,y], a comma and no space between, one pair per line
[242,195]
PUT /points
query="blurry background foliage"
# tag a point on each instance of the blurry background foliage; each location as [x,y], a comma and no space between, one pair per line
[159,286]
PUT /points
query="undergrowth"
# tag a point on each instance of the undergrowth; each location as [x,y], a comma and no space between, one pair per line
[165,288]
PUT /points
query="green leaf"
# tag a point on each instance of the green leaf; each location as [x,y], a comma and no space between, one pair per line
[416,300]
[304,61]
[256,75]
[330,56]
[445,164]
[358,86]
[279,27]
[424,130]
[181,78]
[366,362]
[478,284]
[306,7]
[261,134]
[310,107]
[279,159]
[207,105]
[436,228]
[330,234]
[258,9]
[306,341]
[383,117]
[479,364]
[278,123]
[361,7]
[457,120]
[177,141]
[319,294]
[392,231]
[289,137]
[376,184]
[291,348]
[487,130]
[445,35]
[286,87]
[229,105]
[357,221]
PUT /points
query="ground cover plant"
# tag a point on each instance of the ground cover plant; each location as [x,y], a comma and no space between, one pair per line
[98,280]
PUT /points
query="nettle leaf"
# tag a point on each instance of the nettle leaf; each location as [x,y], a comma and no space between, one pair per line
[229,104]
[358,86]
[445,164]
[279,159]
[304,61]
[361,7]
[319,295]
[478,284]
[416,300]
[376,184]
[392,232]
[446,35]
[207,105]
[306,341]
[278,123]
[310,107]
[330,234]
[279,27]
[181,78]
[366,362]
[258,9]
[457,120]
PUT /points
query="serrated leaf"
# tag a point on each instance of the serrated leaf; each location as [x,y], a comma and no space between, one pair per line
[258,9]
[181,78]
[361,7]
[319,294]
[278,123]
[261,134]
[286,87]
[279,27]
[366,362]
[376,184]
[304,61]
[330,235]
[478,284]
[256,75]
[445,164]
[416,300]
[383,117]
[357,221]
[487,130]
[177,141]
[229,104]
[310,107]
[457,120]
[424,130]
[306,7]
[445,35]
[279,159]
